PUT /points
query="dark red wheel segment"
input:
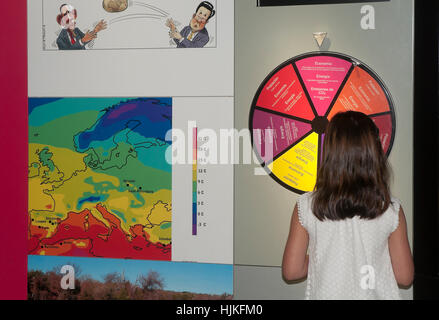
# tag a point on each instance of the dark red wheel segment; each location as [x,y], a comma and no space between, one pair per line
[384,124]
[272,133]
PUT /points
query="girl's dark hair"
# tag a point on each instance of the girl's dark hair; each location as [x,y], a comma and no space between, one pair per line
[353,178]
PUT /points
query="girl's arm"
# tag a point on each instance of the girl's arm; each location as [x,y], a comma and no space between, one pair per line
[295,260]
[400,254]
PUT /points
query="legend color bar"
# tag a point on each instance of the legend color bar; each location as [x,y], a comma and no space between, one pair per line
[194,182]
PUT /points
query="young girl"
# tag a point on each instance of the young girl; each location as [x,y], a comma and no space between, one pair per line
[353,229]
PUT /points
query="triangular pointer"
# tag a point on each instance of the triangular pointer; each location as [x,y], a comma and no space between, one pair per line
[320,37]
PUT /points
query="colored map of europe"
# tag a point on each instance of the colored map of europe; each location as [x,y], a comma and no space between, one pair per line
[99,180]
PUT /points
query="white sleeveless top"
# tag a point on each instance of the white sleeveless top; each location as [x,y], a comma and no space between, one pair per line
[349,259]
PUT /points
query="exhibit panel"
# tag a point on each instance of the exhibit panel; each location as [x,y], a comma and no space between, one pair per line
[125,175]
[288,91]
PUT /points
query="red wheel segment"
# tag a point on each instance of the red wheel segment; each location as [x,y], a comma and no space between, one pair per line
[361,93]
[283,93]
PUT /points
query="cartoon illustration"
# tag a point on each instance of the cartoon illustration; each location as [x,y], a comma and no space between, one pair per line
[115,5]
[71,37]
[194,35]
[128,24]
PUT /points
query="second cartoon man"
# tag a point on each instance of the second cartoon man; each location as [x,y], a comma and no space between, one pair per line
[195,34]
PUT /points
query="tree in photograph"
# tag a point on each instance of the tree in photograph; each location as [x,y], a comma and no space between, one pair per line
[151,282]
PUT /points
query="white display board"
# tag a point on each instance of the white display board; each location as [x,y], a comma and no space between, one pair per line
[130,58]
[135,58]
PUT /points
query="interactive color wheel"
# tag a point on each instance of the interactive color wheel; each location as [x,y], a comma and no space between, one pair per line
[297,101]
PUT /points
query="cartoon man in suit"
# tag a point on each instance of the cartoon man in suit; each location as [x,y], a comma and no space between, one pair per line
[195,34]
[71,37]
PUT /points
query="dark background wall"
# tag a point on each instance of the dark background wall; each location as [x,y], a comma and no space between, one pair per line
[426,144]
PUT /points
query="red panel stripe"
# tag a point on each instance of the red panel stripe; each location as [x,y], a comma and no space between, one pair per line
[13,146]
